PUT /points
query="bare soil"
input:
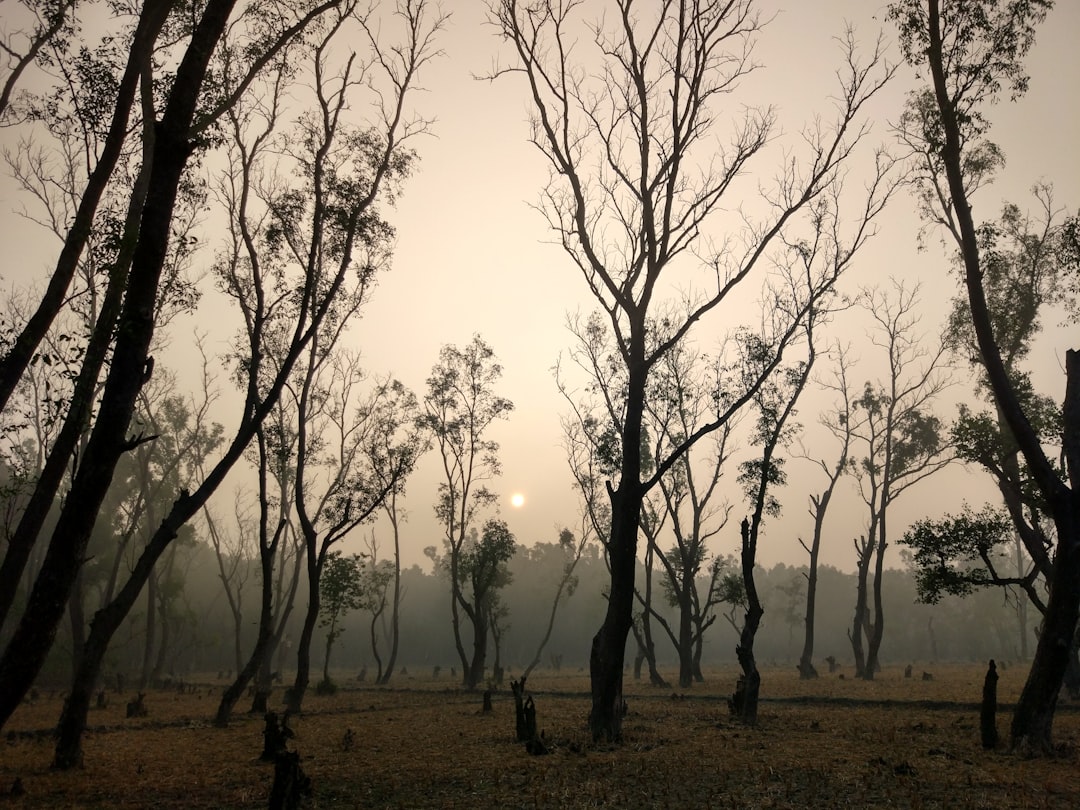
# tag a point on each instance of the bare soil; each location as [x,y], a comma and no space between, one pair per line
[423,743]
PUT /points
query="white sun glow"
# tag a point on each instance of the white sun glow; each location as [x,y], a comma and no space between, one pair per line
[517,500]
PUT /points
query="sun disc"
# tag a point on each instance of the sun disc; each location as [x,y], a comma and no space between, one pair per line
[517,500]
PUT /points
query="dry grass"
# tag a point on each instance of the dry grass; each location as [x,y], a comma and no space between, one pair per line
[421,744]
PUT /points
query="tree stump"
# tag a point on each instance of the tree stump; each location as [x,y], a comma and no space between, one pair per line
[102,700]
[988,710]
[831,661]
[530,719]
[518,689]
[487,701]
[275,737]
[135,708]
[290,782]
[907,671]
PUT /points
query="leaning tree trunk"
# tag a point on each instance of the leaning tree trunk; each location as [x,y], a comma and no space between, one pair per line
[303,648]
[14,362]
[129,370]
[1033,718]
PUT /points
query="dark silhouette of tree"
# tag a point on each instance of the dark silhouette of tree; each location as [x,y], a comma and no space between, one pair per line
[636,174]
[682,401]
[839,422]
[398,431]
[972,52]
[460,407]
[902,443]
[484,573]
[342,589]
[130,367]
[774,404]
[308,306]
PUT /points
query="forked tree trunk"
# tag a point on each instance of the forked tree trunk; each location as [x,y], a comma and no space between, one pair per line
[878,628]
[855,635]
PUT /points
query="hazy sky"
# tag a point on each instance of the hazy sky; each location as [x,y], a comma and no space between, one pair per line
[473,257]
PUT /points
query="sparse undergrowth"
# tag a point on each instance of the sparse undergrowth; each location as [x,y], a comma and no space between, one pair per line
[422,743]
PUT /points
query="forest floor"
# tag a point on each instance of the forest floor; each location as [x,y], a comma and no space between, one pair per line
[422,743]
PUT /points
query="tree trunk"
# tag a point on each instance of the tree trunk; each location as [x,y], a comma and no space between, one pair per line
[878,629]
[807,671]
[455,618]
[303,648]
[1033,718]
[395,613]
[260,654]
[151,632]
[479,656]
[326,658]
[686,638]
[609,644]
[78,623]
[750,682]
[855,635]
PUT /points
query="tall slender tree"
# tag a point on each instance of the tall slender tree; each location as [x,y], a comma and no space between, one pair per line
[638,177]
[972,52]
[461,407]
[903,442]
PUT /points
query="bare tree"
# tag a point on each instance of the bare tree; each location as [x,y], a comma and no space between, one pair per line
[839,422]
[398,431]
[903,441]
[680,403]
[637,175]
[572,548]
[233,552]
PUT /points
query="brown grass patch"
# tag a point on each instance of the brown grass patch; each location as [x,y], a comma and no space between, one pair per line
[892,742]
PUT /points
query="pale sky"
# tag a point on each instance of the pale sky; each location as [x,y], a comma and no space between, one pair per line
[473,257]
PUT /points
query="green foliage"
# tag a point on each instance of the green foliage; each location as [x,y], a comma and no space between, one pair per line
[341,590]
[460,406]
[484,561]
[953,555]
